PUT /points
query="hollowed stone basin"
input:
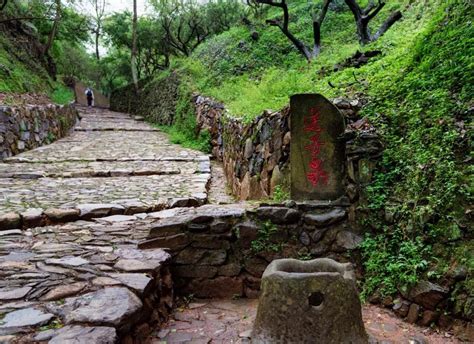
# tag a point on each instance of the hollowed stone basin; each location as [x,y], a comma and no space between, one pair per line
[309,302]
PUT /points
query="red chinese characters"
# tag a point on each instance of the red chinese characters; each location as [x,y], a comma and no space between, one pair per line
[316,174]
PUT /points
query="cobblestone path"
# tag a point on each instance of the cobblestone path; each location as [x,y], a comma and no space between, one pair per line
[110,164]
[71,216]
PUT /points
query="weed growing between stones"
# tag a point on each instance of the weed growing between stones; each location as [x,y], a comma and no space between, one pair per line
[263,242]
[280,194]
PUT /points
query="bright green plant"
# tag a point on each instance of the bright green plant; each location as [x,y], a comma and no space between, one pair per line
[280,194]
[263,242]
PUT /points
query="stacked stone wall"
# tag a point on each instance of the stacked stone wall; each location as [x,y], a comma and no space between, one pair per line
[26,127]
[222,251]
[256,155]
[155,101]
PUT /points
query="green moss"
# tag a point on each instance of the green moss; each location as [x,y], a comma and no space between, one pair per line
[422,178]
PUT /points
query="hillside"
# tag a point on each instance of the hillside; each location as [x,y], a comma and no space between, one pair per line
[24,68]
[417,87]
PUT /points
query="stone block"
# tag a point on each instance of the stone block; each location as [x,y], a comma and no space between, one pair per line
[309,302]
[427,294]
[219,287]
[317,151]
[247,232]
[210,241]
[110,306]
[413,313]
[325,219]
[62,215]
[192,271]
[173,242]
[279,215]
[10,221]
[230,270]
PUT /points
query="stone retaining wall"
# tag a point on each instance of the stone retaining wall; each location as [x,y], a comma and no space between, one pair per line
[222,251]
[156,101]
[82,280]
[256,154]
[26,127]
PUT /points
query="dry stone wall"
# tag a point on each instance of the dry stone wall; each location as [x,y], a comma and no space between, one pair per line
[222,251]
[26,127]
[256,154]
[156,101]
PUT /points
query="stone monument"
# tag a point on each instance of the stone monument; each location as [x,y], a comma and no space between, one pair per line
[309,302]
[317,157]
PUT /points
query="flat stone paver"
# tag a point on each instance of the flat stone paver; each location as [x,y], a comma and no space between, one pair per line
[109,146]
[18,195]
[110,158]
[230,321]
[79,277]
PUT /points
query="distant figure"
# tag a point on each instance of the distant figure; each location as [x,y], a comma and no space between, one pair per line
[90,96]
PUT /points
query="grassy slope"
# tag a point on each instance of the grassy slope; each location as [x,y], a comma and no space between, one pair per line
[21,73]
[419,91]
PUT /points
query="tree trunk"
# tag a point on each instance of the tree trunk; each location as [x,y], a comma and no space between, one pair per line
[134,46]
[3,5]
[97,34]
[364,16]
[54,30]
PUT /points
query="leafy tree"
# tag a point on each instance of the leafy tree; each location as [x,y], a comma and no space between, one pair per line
[223,14]
[187,24]
[184,24]
[98,7]
[153,53]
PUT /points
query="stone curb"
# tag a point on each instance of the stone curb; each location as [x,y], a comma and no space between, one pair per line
[37,217]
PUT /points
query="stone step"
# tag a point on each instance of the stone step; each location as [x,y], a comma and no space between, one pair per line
[38,217]
[78,169]
[84,279]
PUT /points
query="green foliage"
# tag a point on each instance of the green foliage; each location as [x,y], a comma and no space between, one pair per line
[62,95]
[419,92]
[280,194]
[263,242]
[392,265]
[421,183]
[23,64]
[183,131]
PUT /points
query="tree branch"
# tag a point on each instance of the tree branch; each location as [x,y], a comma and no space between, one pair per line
[394,17]
[369,16]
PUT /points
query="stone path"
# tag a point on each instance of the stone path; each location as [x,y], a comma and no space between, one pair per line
[85,277]
[230,321]
[110,164]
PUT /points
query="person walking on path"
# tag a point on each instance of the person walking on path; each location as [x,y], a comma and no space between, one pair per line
[90,96]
